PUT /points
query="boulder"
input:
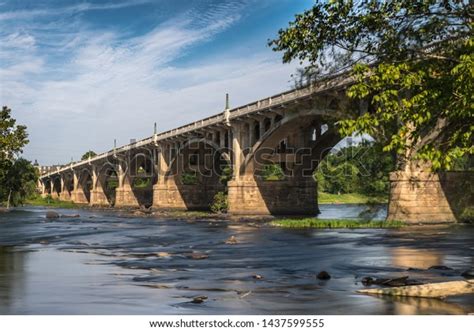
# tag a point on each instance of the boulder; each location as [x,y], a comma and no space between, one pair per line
[199,299]
[439,267]
[323,275]
[51,214]
[231,241]
[469,274]
[197,256]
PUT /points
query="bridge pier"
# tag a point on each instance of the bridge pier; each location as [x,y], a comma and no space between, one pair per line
[78,195]
[183,197]
[64,195]
[98,196]
[418,197]
[249,196]
[124,195]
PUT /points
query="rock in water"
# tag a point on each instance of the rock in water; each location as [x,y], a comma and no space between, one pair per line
[197,256]
[367,281]
[323,275]
[70,216]
[402,281]
[469,274]
[231,241]
[199,299]
[51,214]
[439,267]
[257,277]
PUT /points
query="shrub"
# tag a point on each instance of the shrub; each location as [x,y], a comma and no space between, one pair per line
[219,205]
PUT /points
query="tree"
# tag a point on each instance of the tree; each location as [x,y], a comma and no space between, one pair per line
[363,169]
[19,182]
[411,60]
[88,155]
[16,175]
[12,137]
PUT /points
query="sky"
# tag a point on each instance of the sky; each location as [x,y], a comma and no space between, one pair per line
[80,74]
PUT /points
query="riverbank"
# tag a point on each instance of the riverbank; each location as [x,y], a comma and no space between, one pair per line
[49,202]
[350,198]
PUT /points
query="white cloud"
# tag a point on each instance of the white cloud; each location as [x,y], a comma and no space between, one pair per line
[68,10]
[111,87]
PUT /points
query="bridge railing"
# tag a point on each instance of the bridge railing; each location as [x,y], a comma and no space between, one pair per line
[276,100]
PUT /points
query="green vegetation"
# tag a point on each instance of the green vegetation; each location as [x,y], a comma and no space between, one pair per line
[327,198]
[111,183]
[271,172]
[412,62]
[355,174]
[335,223]
[226,175]
[88,154]
[189,178]
[467,215]
[18,176]
[48,201]
[220,204]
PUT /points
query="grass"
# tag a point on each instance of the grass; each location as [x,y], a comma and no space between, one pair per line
[350,198]
[49,202]
[334,223]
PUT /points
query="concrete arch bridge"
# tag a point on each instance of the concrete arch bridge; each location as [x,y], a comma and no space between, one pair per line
[184,168]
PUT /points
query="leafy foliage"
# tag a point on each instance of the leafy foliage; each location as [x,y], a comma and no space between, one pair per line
[272,172]
[219,204]
[189,178]
[12,137]
[88,154]
[362,169]
[17,176]
[413,65]
[18,182]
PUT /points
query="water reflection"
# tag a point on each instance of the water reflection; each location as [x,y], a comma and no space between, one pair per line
[416,258]
[12,275]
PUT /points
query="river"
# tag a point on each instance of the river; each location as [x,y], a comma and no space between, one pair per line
[106,262]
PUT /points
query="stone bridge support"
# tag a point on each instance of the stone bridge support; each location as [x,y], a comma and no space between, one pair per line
[426,197]
[171,191]
[124,195]
[98,196]
[45,187]
[78,194]
[65,194]
[279,141]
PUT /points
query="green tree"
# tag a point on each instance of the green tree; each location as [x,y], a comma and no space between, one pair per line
[19,182]
[363,169]
[88,154]
[412,61]
[12,137]
[17,176]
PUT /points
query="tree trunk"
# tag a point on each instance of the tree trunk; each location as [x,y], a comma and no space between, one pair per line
[9,197]
[433,290]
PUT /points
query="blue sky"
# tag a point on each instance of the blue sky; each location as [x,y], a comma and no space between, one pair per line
[80,74]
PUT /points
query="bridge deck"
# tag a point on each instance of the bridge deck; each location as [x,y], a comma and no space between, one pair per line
[274,101]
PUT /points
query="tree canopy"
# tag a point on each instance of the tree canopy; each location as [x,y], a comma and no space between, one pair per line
[88,154]
[413,61]
[12,137]
[17,176]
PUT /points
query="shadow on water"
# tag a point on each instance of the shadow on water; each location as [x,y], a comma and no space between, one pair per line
[110,263]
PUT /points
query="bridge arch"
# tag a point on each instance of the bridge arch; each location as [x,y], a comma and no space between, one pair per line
[192,174]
